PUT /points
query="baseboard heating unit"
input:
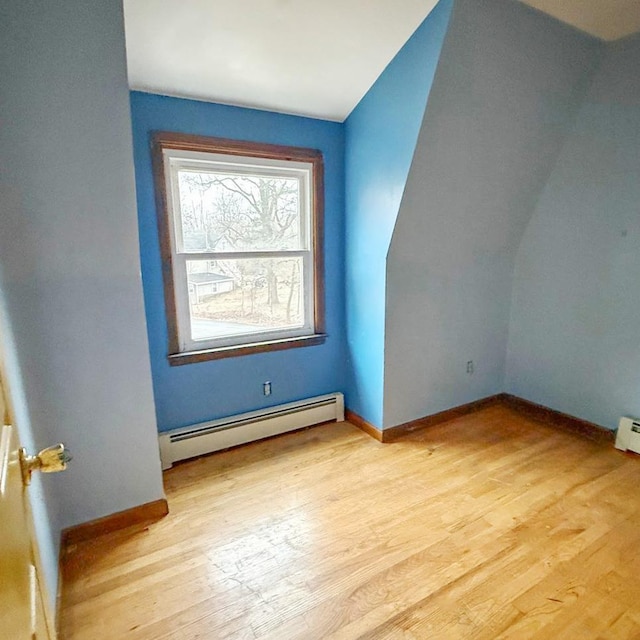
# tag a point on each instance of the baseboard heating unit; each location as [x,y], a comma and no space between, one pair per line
[628,436]
[206,437]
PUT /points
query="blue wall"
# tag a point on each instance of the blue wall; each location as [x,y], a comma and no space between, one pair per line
[509,85]
[73,321]
[208,390]
[381,135]
[430,184]
[574,343]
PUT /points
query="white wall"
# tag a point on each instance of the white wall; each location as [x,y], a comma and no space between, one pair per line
[69,254]
[574,341]
[508,85]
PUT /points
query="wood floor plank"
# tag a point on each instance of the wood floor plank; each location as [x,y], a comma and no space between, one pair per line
[489,526]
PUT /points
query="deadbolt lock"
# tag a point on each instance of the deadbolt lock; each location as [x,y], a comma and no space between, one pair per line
[49,460]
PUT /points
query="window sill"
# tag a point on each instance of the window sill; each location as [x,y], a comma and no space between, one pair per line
[189,357]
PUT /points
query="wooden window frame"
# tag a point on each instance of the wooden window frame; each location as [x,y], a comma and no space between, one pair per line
[163,140]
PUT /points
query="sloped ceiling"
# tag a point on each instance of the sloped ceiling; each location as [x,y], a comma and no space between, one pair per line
[299,56]
[307,57]
[605,19]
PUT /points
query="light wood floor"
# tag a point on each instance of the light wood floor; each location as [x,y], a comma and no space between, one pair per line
[490,526]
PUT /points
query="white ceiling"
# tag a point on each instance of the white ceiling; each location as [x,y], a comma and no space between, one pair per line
[306,57]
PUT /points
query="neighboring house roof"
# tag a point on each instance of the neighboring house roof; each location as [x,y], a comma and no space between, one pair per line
[203,278]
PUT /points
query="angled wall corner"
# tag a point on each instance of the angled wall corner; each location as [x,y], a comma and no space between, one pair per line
[573,339]
[509,84]
[381,135]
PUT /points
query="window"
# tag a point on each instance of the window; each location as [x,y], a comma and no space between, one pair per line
[241,239]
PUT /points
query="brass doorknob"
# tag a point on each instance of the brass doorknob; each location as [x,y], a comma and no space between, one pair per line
[49,460]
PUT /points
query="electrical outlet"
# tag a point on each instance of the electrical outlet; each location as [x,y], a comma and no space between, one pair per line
[266,388]
[470,367]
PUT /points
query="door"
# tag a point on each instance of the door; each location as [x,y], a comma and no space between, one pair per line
[22,614]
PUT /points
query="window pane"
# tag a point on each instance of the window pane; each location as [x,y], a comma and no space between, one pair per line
[225,212]
[236,297]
